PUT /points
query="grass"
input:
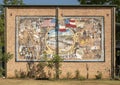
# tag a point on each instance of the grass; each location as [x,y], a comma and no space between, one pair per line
[57,82]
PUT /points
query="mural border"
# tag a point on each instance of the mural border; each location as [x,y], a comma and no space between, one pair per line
[16,40]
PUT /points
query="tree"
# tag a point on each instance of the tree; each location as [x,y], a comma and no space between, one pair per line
[13,2]
[6,56]
[6,2]
[105,2]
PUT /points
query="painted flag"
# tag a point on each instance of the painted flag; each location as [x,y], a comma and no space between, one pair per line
[70,23]
[48,22]
[62,28]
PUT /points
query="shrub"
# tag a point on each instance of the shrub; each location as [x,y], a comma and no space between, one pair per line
[77,74]
[20,74]
[81,78]
[68,74]
[99,75]
[117,78]
[17,75]
[1,71]
[40,73]
[5,57]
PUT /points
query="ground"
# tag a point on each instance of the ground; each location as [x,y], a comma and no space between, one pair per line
[57,82]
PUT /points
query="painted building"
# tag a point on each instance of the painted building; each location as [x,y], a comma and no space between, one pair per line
[86,37]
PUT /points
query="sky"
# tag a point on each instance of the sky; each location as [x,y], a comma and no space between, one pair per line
[50,2]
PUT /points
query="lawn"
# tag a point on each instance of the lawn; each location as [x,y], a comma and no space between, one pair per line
[57,82]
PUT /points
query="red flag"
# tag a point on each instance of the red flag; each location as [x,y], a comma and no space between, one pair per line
[62,28]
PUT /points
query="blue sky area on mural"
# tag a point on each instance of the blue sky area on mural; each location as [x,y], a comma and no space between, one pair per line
[50,2]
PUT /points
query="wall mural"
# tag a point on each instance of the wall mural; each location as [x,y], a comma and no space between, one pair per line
[79,38]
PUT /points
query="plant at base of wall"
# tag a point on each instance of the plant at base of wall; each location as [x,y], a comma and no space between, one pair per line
[1,71]
[117,77]
[40,70]
[68,75]
[56,64]
[99,75]
[5,57]
[78,76]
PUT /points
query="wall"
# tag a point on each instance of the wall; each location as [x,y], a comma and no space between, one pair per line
[103,65]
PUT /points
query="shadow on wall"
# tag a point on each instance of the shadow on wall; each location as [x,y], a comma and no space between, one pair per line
[36,71]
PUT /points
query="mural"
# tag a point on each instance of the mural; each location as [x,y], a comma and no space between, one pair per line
[79,38]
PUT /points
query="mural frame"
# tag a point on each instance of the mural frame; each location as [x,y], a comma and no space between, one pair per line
[103,40]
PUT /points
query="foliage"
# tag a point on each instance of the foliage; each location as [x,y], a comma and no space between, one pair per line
[56,62]
[77,74]
[119,70]
[20,74]
[40,71]
[81,78]
[105,2]
[40,67]
[1,71]
[117,77]
[2,20]
[118,36]
[31,70]
[1,30]
[99,2]
[5,57]
[68,74]
[52,64]
[99,75]
[13,2]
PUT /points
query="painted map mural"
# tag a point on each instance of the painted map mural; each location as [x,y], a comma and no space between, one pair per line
[79,38]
